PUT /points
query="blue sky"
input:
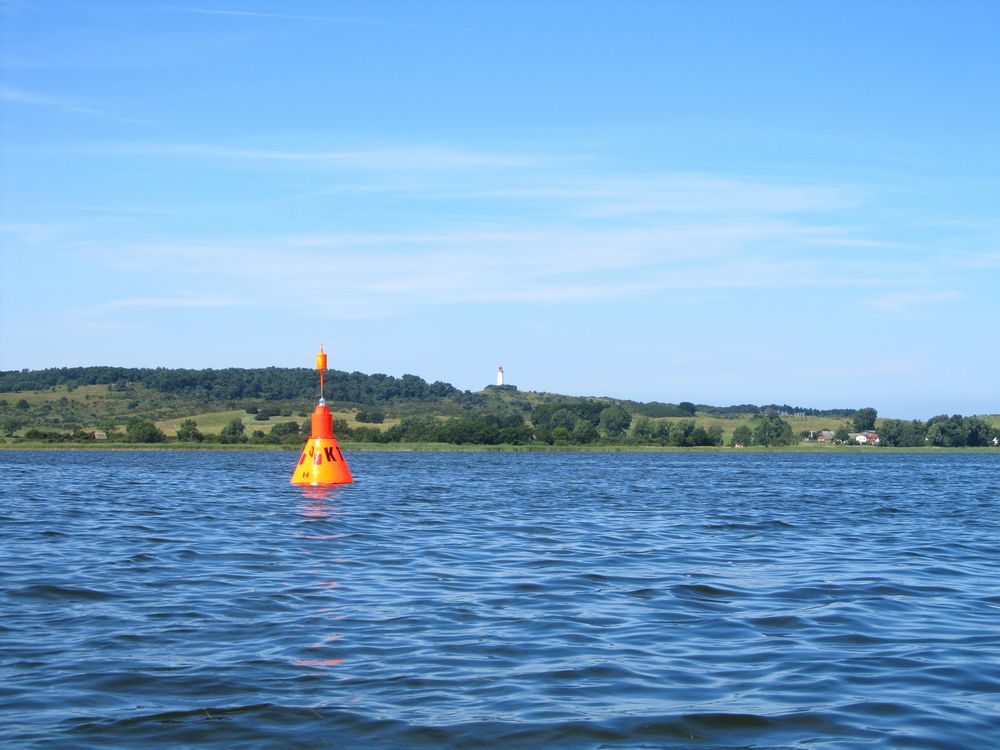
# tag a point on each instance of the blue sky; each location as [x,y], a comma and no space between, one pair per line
[719,202]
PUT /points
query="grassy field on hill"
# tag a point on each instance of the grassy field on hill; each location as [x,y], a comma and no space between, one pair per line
[214,421]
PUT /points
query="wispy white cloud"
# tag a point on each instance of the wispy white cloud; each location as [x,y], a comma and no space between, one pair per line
[250,14]
[887,368]
[394,272]
[29,233]
[271,16]
[73,322]
[506,180]
[625,195]
[19,96]
[62,104]
[595,196]
[108,210]
[416,157]
[170,302]
[988,259]
[121,314]
[681,234]
[908,300]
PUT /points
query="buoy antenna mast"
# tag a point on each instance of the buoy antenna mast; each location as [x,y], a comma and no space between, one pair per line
[321,366]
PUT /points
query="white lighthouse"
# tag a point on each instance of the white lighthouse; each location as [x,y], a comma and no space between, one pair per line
[500,375]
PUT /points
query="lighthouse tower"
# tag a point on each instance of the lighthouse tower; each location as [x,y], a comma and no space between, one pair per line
[500,375]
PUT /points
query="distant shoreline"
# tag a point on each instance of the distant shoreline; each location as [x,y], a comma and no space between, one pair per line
[348,447]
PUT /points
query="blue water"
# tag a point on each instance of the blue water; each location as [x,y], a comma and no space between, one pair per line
[163,600]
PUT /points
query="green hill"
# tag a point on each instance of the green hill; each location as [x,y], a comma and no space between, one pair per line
[246,405]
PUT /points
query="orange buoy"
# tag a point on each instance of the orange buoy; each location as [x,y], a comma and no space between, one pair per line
[321,462]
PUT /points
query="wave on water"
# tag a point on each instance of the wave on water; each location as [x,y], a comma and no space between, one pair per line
[267,725]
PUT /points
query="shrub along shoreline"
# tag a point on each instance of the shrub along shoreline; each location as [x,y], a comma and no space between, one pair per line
[348,447]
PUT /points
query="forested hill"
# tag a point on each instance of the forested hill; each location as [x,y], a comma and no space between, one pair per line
[233,384]
[289,383]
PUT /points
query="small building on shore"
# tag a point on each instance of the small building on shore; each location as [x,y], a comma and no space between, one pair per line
[868,437]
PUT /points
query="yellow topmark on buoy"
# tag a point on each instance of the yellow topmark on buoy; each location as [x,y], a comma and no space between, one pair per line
[321,462]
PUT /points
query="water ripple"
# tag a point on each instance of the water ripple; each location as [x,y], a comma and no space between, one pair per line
[500,600]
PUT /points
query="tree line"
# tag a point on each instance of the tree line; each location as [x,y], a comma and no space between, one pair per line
[559,423]
[942,431]
[233,384]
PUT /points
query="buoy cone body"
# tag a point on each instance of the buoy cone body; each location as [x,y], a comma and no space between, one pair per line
[321,462]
